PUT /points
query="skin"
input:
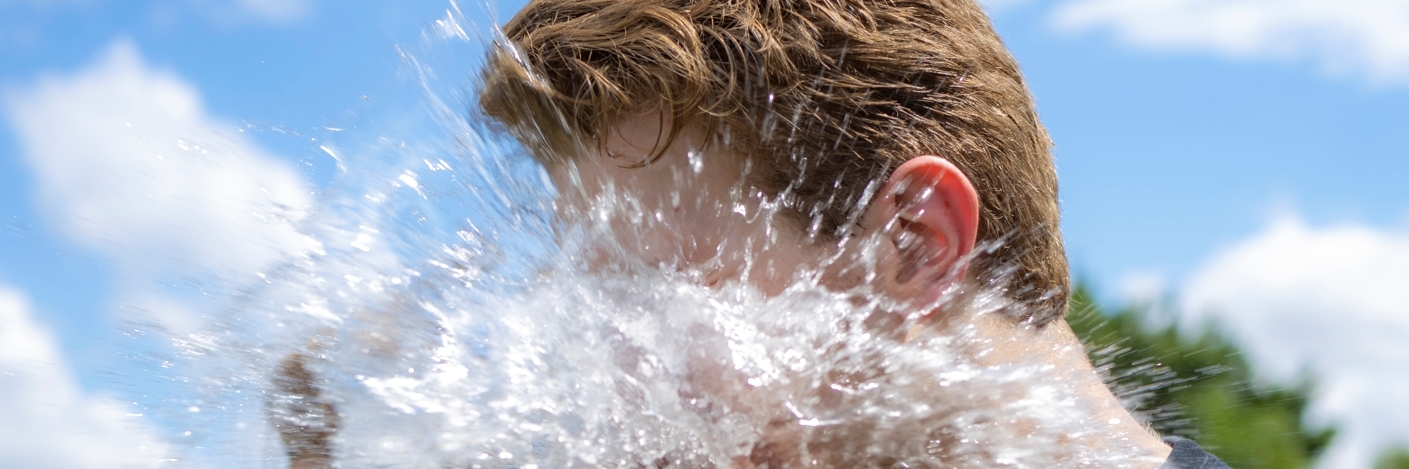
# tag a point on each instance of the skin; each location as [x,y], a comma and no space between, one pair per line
[913,240]
[697,215]
[306,423]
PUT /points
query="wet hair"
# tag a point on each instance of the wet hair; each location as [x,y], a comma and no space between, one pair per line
[824,96]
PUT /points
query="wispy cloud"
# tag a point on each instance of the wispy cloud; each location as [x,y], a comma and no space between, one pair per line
[999,5]
[127,162]
[1364,37]
[276,11]
[45,421]
[1330,301]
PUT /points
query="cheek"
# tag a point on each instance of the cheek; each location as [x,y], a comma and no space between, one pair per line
[688,227]
[681,212]
[665,212]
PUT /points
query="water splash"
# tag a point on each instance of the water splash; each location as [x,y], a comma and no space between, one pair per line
[454,317]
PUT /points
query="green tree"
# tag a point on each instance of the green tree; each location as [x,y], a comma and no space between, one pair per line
[1397,458]
[1198,387]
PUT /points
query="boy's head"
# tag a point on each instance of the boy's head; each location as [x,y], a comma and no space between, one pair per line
[816,101]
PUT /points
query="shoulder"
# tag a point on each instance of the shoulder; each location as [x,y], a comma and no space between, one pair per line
[1188,455]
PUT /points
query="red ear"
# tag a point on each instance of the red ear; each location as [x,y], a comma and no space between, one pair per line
[931,212]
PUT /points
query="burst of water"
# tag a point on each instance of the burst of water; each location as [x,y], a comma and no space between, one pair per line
[454,318]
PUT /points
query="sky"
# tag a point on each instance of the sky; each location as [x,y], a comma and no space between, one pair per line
[1243,159]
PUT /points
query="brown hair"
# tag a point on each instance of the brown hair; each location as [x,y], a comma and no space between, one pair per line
[826,96]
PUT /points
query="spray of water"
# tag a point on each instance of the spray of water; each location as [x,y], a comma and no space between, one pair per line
[458,312]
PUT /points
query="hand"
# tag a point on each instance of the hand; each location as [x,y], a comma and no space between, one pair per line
[306,422]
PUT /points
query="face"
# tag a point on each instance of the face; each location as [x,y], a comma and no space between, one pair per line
[691,210]
[694,210]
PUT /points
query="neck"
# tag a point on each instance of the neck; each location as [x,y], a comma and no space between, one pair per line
[1055,344]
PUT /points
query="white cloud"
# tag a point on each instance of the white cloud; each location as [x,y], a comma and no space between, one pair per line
[45,2]
[1369,37]
[1143,287]
[999,5]
[45,421]
[277,10]
[1328,300]
[128,163]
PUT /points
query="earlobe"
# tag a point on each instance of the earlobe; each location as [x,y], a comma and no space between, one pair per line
[929,212]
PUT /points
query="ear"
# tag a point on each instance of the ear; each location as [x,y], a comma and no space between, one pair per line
[927,214]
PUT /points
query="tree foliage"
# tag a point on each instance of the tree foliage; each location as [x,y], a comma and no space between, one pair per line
[1198,386]
[1396,458]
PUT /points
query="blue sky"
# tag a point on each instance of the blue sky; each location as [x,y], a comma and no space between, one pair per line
[1229,156]
[1166,155]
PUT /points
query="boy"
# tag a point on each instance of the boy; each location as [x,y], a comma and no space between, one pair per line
[894,139]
